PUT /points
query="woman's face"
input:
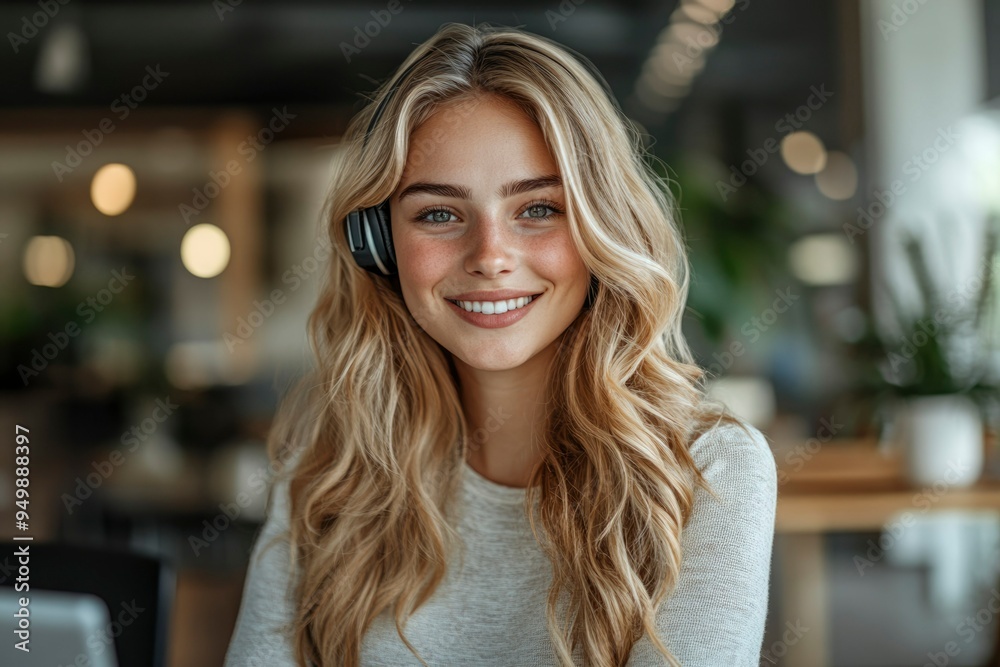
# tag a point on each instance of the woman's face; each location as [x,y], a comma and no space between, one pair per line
[480,208]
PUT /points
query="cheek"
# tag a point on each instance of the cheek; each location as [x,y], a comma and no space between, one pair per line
[560,257]
[423,263]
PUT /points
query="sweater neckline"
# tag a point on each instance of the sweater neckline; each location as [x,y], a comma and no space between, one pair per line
[501,493]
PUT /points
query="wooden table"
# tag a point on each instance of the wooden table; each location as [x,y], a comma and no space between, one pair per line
[849,485]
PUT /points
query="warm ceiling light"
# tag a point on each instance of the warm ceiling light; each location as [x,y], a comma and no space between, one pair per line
[692,11]
[113,189]
[205,250]
[694,35]
[823,259]
[671,64]
[803,152]
[662,74]
[658,86]
[839,178]
[720,7]
[48,261]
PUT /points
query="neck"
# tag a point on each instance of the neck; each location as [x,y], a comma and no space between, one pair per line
[505,413]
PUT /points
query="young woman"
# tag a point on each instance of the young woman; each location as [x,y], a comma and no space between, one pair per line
[504,455]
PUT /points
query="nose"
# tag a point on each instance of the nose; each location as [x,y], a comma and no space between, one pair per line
[492,248]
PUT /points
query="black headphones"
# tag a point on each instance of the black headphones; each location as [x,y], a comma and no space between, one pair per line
[368,230]
[369,234]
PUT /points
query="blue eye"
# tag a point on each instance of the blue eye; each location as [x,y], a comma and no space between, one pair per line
[541,207]
[439,216]
[538,208]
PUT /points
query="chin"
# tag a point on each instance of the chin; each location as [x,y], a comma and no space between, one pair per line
[492,360]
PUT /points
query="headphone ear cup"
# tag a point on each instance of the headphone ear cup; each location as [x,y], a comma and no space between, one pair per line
[369,237]
[383,223]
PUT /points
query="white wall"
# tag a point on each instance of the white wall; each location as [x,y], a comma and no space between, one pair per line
[924,69]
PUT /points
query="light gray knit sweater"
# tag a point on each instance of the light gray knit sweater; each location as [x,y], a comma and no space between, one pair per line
[493,611]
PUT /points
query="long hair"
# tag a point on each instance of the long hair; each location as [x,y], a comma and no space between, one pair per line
[378,427]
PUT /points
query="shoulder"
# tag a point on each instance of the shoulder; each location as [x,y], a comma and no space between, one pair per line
[281,480]
[737,459]
[717,611]
[278,513]
[730,451]
[730,533]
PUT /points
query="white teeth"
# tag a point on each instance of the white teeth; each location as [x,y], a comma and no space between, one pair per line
[494,307]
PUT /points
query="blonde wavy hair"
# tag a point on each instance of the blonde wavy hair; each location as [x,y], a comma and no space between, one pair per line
[377,426]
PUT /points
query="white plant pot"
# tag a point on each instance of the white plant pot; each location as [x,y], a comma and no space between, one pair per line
[943,441]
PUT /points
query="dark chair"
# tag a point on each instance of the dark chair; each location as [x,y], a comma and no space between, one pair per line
[118,577]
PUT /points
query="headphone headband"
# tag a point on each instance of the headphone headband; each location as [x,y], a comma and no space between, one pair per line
[388,96]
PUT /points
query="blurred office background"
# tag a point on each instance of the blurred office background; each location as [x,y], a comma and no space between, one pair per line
[837,166]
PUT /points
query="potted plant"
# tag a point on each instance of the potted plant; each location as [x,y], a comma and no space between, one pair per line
[939,369]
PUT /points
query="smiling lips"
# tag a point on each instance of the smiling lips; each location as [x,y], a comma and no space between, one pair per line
[493,314]
[494,307]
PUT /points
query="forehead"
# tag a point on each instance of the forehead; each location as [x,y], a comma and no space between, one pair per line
[478,136]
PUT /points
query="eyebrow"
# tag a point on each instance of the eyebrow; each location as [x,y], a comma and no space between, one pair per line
[461,192]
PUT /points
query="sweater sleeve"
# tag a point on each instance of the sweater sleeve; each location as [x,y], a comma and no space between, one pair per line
[267,603]
[717,612]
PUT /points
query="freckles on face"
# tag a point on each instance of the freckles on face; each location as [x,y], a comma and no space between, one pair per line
[481,207]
